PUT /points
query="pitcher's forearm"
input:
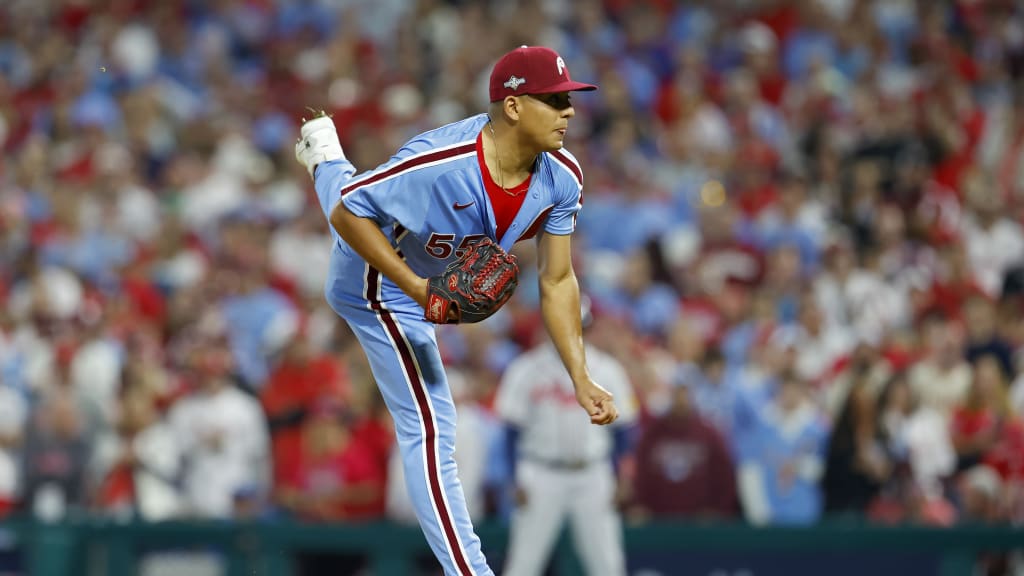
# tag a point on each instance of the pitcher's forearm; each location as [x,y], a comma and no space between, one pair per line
[560,301]
[363,235]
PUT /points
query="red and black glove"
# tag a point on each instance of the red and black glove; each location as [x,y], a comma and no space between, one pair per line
[474,286]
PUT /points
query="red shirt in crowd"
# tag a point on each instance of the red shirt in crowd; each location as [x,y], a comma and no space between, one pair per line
[346,482]
[293,390]
[683,468]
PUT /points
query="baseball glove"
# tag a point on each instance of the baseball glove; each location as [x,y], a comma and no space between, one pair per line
[474,286]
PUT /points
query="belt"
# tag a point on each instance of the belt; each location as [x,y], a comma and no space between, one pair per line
[570,465]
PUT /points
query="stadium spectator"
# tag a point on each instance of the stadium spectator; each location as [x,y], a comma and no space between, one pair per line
[983,336]
[300,381]
[779,470]
[221,430]
[683,466]
[941,376]
[139,463]
[980,421]
[713,389]
[818,346]
[856,463]
[916,441]
[337,477]
[56,459]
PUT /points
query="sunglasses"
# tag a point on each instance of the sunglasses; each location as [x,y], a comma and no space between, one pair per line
[558,100]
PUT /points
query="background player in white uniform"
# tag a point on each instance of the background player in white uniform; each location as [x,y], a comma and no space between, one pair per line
[502,175]
[563,468]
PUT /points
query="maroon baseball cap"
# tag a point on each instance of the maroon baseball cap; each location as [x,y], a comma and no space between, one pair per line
[532,70]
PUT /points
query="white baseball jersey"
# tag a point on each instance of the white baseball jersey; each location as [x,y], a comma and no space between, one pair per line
[538,397]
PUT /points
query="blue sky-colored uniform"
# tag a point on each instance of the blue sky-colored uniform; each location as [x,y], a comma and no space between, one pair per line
[430,201]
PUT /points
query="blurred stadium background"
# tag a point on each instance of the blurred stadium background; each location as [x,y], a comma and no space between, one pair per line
[806,213]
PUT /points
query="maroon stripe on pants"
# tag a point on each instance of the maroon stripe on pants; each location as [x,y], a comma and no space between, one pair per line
[373,278]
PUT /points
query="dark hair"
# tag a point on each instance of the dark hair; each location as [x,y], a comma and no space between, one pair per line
[897,379]
[712,355]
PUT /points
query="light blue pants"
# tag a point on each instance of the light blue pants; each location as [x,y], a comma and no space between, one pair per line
[403,354]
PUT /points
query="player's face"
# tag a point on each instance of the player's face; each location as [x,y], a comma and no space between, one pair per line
[545,119]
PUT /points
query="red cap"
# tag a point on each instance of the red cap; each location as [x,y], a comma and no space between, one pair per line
[532,70]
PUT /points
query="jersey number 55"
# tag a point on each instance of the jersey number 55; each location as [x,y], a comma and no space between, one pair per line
[441,246]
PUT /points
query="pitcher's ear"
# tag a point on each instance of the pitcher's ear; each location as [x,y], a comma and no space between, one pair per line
[512,106]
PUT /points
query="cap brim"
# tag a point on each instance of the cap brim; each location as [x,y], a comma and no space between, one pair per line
[570,86]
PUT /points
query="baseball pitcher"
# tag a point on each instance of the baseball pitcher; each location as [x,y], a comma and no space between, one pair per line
[422,240]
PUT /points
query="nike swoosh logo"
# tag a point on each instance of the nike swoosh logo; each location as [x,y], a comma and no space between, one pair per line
[458,206]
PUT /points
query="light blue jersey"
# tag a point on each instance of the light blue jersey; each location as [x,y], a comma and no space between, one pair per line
[430,198]
[431,203]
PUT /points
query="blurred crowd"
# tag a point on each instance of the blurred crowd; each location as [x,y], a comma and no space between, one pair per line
[802,237]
